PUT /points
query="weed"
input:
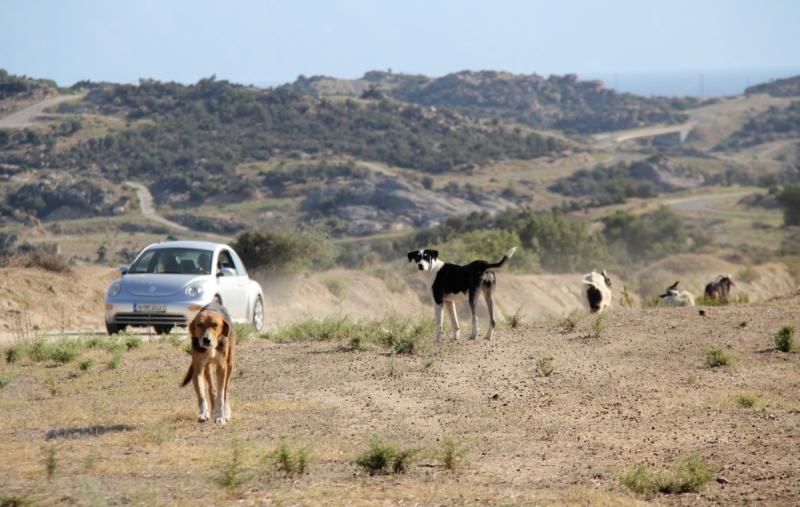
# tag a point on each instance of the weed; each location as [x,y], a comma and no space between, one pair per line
[689,475]
[654,302]
[233,471]
[545,365]
[570,321]
[50,459]
[693,380]
[187,347]
[785,340]
[132,342]
[16,501]
[173,339]
[336,285]
[746,400]
[291,458]
[514,321]
[428,363]
[384,457]
[85,364]
[39,349]
[549,432]
[159,433]
[115,360]
[718,356]
[15,353]
[451,453]
[51,383]
[392,369]
[599,324]
[743,323]
[244,331]
[742,298]
[626,301]
[707,301]
[5,380]
[65,350]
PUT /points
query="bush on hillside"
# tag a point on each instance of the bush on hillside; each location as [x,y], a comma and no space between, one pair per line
[285,250]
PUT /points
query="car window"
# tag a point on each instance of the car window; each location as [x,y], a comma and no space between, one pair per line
[225,261]
[183,261]
[238,263]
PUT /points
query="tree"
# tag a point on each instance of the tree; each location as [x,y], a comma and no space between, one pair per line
[789,201]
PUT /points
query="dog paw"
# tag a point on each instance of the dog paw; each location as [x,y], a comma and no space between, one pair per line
[473,336]
[227,412]
[219,418]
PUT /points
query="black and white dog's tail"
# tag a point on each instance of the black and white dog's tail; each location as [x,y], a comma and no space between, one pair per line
[503,262]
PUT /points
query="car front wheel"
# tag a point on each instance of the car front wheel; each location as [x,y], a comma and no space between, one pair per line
[258,315]
[114,328]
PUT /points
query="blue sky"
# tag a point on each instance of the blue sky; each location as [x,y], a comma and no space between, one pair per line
[271,42]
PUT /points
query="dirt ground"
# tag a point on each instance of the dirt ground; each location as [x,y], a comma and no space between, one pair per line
[640,392]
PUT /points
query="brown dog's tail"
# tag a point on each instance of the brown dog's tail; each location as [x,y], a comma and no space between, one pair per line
[189,375]
[503,262]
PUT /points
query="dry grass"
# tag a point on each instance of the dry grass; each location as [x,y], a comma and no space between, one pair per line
[129,435]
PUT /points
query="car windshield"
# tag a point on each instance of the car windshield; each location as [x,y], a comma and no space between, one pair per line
[173,260]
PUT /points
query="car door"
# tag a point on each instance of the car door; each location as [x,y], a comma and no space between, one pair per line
[232,289]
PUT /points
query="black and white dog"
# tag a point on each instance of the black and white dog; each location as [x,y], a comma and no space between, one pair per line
[449,283]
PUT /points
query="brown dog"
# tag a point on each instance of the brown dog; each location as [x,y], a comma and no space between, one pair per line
[213,346]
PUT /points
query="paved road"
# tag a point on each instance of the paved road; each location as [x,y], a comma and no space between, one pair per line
[25,117]
[702,203]
[149,212]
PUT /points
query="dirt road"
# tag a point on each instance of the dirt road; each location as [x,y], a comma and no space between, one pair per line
[25,117]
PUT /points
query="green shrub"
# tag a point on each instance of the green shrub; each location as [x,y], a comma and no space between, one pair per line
[39,349]
[383,457]
[285,250]
[244,331]
[85,364]
[514,321]
[626,301]
[746,400]
[66,350]
[291,458]
[785,340]
[5,380]
[15,353]
[570,321]
[132,342]
[451,453]
[707,301]
[234,470]
[718,356]
[116,359]
[599,324]
[545,365]
[689,475]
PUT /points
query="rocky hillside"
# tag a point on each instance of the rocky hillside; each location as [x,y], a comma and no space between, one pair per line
[560,102]
[789,87]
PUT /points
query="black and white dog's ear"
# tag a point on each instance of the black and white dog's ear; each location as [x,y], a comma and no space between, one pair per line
[433,253]
[411,256]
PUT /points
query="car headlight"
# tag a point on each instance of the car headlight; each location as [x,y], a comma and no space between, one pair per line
[114,289]
[194,291]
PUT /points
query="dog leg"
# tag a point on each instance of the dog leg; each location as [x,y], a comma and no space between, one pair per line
[451,310]
[487,295]
[200,390]
[219,404]
[437,311]
[473,307]
[230,361]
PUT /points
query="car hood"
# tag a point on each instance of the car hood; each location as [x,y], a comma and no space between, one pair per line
[160,285]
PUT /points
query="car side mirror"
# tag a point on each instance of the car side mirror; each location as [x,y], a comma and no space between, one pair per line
[123,270]
[226,272]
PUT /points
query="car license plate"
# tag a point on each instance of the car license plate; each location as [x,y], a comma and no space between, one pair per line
[149,307]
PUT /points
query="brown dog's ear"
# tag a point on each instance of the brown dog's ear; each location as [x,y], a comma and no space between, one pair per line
[226,329]
[192,329]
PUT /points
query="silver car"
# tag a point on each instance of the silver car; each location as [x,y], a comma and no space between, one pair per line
[168,283]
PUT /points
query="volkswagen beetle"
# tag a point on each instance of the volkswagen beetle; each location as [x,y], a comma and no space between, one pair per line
[168,283]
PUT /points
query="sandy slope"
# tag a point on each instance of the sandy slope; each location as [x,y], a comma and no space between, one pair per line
[42,297]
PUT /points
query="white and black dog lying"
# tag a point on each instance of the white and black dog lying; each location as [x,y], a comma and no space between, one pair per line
[449,283]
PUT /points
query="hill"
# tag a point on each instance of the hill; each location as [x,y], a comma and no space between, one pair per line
[789,87]
[557,102]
